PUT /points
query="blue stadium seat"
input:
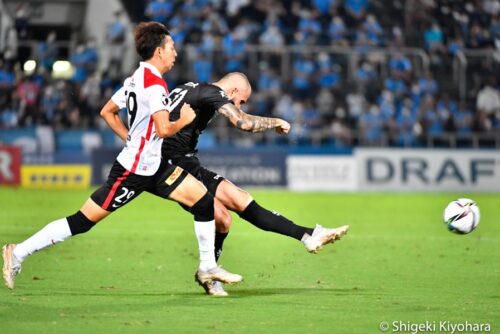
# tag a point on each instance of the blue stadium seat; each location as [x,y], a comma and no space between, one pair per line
[8,136]
[69,140]
[109,139]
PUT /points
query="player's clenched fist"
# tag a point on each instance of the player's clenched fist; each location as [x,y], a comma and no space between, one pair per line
[187,114]
[282,126]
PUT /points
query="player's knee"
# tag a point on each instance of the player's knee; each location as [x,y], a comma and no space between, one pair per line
[79,223]
[244,200]
[223,220]
[203,210]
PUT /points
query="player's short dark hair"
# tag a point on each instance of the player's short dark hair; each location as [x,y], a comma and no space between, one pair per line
[148,36]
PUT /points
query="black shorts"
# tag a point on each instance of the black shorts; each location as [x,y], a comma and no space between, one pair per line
[123,186]
[192,165]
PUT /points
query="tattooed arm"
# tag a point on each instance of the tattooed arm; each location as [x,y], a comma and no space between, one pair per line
[251,123]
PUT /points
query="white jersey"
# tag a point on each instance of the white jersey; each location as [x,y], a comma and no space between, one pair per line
[143,94]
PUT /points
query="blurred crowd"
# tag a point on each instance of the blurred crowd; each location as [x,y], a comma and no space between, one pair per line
[346,92]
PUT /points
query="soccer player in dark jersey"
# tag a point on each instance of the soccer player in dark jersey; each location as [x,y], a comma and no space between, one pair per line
[139,166]
[225,97]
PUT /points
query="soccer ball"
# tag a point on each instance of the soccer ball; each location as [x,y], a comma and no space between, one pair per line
[462,216]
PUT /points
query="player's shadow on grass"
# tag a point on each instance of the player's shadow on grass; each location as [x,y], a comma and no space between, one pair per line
[236,293]
[260,292]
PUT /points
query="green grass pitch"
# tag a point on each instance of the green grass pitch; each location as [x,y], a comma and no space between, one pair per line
[134,272]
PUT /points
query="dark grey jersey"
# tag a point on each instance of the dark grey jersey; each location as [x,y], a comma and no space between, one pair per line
[205,99]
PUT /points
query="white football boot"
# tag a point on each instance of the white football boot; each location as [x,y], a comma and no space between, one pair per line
[321,236]
[11,266]
[212,288]
[217,274]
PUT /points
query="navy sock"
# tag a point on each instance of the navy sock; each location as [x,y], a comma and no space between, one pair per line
[79,223]
[273,222]
[219,241]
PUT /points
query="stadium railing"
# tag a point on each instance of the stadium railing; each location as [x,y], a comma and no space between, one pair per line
[351,55]
[462,60]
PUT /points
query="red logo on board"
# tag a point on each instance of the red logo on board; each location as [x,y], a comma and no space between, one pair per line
[10,165]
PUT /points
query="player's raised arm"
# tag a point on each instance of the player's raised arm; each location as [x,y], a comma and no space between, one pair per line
[110,115]
[166,128]
[236,89]
[251,123]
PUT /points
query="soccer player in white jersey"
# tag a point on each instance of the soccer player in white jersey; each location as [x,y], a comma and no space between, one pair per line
[139,166]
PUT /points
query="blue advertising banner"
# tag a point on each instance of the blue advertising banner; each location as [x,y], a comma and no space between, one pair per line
[248,167]
[102,159]
[243,167]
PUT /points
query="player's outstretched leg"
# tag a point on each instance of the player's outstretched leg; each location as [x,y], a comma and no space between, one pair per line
[240,201]
[11,265]
[53,233]
[322,236]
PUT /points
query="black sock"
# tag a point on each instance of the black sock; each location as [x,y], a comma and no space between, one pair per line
[219,241]
[79,223]
[273,222]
